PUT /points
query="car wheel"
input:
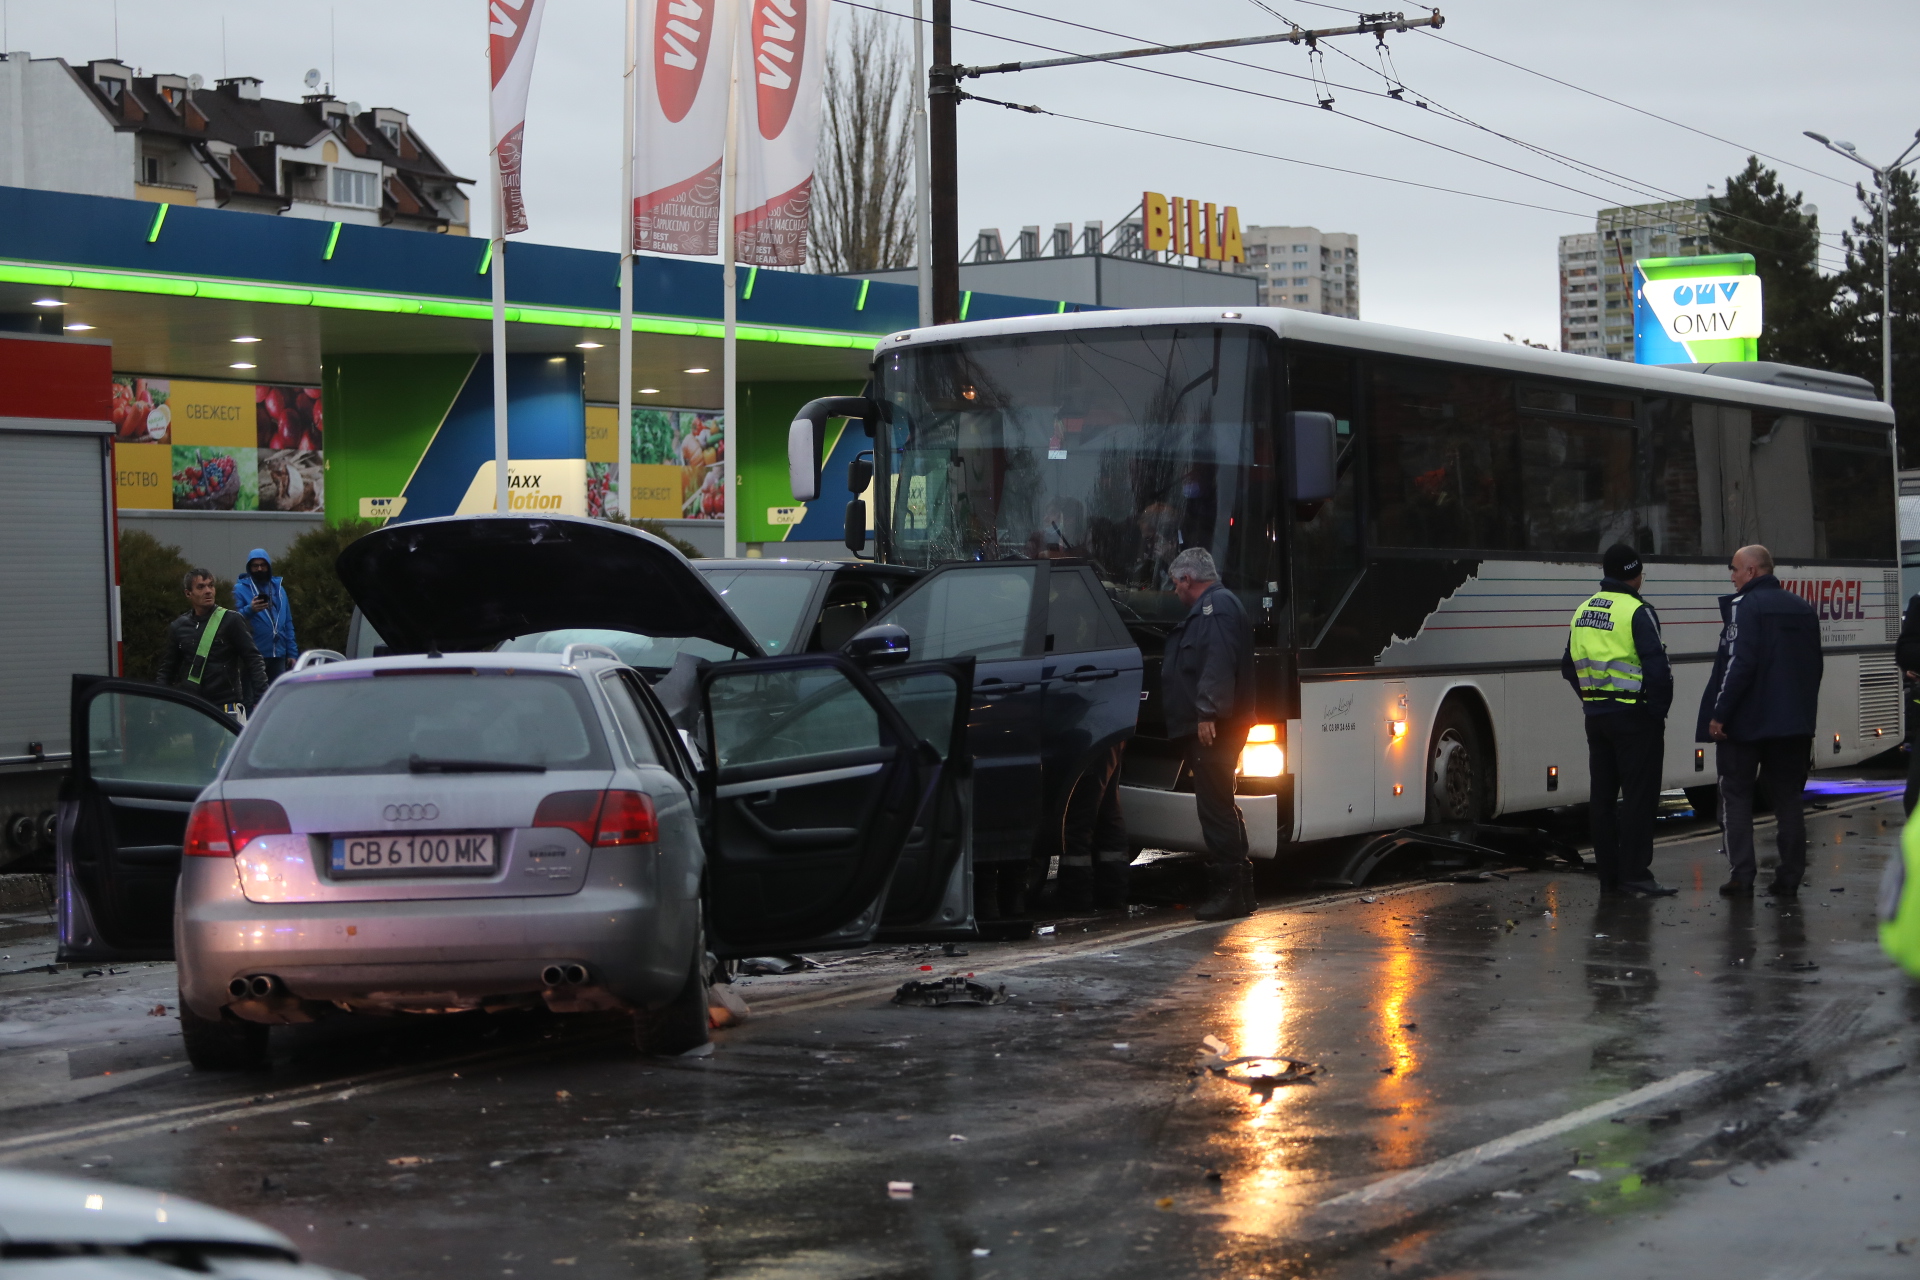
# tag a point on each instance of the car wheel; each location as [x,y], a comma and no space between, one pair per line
[1457,772]
[1705,801]
[681,1024]
[223,1044]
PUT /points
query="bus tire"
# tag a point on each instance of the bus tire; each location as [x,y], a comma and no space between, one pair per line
[1705,800]
[1457,774]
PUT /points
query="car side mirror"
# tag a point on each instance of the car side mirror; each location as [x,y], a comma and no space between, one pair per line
[856,526]
[883,644]
[807,439]
[1316,456]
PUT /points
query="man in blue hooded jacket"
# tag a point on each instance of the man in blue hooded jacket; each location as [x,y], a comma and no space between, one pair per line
[261,599]
[1759,709]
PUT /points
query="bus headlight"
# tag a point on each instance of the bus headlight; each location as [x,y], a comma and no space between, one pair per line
[1263,756]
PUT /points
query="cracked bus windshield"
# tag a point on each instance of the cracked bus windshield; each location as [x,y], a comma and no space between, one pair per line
[1122,447]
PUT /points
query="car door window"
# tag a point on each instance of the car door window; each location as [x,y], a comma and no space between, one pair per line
[926,701]
[633,725]
[153,740]
[975,612]
[1073,615]
[759,718]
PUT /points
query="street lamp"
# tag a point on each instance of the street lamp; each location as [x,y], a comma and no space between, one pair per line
[1883,175]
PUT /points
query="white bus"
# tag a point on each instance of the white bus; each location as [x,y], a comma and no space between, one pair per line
[1410,624]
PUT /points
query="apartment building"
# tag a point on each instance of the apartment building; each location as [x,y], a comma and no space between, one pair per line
[1601,324]
[1306,269]
[105,129]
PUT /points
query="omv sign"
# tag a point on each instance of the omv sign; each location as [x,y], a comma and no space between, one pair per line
[1690,310]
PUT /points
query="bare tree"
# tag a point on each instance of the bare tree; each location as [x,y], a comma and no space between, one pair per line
[863,202]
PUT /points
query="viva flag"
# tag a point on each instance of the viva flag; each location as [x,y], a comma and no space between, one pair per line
[513,29]
[782,76]
[680,125]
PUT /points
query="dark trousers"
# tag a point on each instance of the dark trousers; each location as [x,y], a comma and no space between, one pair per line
[1094,829]
[1221,824]
[1624,750]
[1783,763]
[276,667]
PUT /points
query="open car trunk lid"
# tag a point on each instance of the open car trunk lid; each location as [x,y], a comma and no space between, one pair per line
[469,582]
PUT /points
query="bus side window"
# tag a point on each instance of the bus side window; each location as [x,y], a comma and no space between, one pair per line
[1326,547]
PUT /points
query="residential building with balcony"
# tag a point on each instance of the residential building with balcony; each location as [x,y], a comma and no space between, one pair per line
[1306,269]
[1596,269]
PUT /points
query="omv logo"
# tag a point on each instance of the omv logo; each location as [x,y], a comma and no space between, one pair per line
[1687,295]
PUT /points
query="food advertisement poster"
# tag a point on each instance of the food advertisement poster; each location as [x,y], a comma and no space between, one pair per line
[679,467]
[183,445]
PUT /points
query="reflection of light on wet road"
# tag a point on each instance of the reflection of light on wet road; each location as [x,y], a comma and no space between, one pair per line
[1396,982]
[1257,1025]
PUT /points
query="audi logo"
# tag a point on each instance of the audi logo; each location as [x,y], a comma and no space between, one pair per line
[410,812]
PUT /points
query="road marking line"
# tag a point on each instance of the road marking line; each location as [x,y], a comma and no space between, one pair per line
[1410,1179]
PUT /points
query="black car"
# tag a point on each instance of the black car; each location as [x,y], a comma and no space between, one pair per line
[1056,684]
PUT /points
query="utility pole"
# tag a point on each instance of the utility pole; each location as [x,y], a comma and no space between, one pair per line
[944,94]
[1884,175]
[943,98]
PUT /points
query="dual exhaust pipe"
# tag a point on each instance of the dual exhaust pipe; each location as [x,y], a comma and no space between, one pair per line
[259,986]
[563,975]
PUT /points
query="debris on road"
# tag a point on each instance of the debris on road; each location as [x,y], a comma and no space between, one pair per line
[725,1008]
[983,1253]
[771,966]
[410,1160]
[956,1137]
[900,1191]
[1585,1175]
[158,1011]
[1043,931]
[944,991]
[1508,1195]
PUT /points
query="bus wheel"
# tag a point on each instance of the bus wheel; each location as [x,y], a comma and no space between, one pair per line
[1705,801]
[1457,773]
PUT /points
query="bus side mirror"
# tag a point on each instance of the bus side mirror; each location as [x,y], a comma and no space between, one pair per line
[807,439]
[860,474]
[1316,455]
[856,526]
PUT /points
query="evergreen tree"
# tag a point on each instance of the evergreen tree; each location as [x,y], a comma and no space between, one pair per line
[1757,215]
[1860,303]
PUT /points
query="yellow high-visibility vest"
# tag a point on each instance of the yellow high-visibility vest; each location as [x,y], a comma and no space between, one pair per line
[1900,903]
[1605,660]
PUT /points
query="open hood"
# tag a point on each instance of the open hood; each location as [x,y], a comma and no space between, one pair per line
[469,582]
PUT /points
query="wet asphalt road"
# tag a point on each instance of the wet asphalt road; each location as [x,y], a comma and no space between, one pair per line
[1678,1056]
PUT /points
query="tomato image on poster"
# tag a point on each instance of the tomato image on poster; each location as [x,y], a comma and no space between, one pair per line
[140,412]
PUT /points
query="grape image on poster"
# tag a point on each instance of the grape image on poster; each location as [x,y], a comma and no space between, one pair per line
[140,412]
[215,478]
[291,480]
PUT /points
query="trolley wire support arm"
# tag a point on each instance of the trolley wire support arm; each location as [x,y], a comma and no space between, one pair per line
[1373,24]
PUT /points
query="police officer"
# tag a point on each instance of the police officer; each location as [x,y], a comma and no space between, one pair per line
[1906,652]
[1617,664]
[1900,903]
[210,651]
[1206,687]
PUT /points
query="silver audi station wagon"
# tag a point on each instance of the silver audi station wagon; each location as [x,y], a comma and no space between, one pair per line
[455,828]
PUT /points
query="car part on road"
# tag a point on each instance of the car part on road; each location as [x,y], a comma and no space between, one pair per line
[1474,841]
[935,993]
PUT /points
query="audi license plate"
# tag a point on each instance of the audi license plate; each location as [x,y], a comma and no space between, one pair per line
[435,853]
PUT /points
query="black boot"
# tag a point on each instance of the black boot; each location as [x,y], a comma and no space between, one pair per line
[1074,890]
[1230,893]
[1110,884]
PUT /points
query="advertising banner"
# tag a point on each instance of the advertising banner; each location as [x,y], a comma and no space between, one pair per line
[182,445]
[513,29]
[679,463]
[783,61]
[1696,310]
[680,124]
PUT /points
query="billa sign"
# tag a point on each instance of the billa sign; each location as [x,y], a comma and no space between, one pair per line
[1191,228]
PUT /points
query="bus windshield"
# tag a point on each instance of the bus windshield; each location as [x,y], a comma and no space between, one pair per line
[1122,447]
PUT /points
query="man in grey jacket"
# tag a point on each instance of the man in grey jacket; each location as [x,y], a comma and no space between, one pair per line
[1206,688]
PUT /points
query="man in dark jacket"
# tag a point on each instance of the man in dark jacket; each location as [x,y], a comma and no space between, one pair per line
[210,651]
[1617,664]
[1206,688]
[1759,710]
[1907,653]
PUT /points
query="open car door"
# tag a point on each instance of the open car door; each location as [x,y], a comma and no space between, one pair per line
[815,786]
[931,896]
[142,754]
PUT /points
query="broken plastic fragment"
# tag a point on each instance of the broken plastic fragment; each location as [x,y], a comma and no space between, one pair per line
[410,1160]
[1216,1044]
[1043,931]
[1585,1175]
[983,1253]
[943,991]
[956,1137]
[1164,1202]
[1122,1045]
[900,1190]
[1508,1195]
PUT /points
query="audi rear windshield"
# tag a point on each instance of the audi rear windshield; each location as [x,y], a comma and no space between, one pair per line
[490,719]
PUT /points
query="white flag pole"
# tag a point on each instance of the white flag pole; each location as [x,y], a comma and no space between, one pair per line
[730,401]
[501,505]
[623,468]
[922,187]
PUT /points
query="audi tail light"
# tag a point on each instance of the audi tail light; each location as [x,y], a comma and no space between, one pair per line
[222,828]
[602,819]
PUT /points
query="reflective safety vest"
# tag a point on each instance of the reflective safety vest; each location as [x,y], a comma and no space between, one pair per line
[1605,661]
[1900,903]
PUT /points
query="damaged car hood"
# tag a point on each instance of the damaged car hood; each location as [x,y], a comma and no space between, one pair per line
[470,582]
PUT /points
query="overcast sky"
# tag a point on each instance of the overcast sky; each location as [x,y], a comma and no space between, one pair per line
[1755,73]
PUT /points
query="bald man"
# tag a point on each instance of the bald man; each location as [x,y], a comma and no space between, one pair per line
[1759,710]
